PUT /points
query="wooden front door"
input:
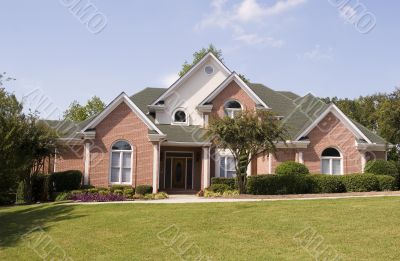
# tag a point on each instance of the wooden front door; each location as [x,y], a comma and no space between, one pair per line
[178,172]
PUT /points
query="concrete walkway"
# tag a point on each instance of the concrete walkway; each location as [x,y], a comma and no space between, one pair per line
[180,199]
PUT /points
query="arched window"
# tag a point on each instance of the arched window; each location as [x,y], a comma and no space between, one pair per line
[121,163]
[231,108]
[331,162]
[179,117]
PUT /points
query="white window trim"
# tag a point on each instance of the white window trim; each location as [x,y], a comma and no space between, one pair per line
[185,123]
[120,165]
[221,153]
[330,158]
[230,112]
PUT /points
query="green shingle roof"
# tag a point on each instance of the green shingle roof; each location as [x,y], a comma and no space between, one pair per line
[298,113]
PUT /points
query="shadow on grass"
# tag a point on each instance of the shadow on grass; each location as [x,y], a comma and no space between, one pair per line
[15,223]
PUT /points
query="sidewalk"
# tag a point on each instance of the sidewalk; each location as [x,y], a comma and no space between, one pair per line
[180,199]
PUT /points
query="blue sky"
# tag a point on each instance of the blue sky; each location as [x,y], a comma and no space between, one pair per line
[297,45]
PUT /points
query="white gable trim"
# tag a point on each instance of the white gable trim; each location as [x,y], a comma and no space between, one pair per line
[189,74]
[235,77]
[113,105]
[342,117]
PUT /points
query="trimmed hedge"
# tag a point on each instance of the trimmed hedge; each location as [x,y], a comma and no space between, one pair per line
[143,189]
[360,182]
[320,183]
[291,168]
[382,167]
[230,182]
[66,180]
[277,184]
[386,183]
[219,188]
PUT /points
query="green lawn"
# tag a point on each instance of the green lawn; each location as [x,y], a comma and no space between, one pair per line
[356,229]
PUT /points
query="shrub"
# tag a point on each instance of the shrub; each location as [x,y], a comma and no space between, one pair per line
[66,180]
[118,192]
[93,190]
[144,189]
[40,187]
[360,182]
[119,187]
[231,182]
[386,182]
[321,183]
[61,196]
[277,184]
[218,188]
[161,195]
[291,168]
[211,194]
[381,167]
[128,193]
[20,197]
[231,193]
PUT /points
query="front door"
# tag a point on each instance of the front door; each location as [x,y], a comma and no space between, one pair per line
[178,172]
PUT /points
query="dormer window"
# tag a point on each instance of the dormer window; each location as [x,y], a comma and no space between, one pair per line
[179,117]
[231,108]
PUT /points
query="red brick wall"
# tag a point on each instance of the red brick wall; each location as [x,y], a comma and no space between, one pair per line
[121,124]
[70,157]
[231,92]
[280,156]
[330,132]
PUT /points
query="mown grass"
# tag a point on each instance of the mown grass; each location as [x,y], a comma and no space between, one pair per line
[356,229]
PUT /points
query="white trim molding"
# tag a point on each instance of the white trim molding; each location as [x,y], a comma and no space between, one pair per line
[113,105]
[342,117]
[187,75]
[235,77]
[373,147]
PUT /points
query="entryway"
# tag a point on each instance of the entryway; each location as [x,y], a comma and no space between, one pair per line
[179,168]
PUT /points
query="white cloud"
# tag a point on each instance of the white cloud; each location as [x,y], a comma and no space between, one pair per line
[237,17]
[254,39]
[244,12]
[317,54]
[169,79]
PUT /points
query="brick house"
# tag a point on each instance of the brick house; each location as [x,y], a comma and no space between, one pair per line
[156,136]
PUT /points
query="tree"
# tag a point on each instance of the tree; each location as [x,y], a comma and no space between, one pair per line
[247,135]
[197,56]
[25,142]
[4,78]
[78,112]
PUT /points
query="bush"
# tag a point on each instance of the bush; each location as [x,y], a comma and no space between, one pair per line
[218,188]
[360,182]
[230,182]
[386,183]
[277,184]
[118,192]
[119,187]
[231,193]
[382,167]
[96,197]
[291,168]
[144,189]
[321,183]
[41,187]
[61,196]
[66,180]
[161,195]
[128,193]
[20,197]
[211,194]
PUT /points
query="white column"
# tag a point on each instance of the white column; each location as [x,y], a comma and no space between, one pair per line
[270,163]
[363,161]
[87,163]
[156,165]
[301,160]
[206,167]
